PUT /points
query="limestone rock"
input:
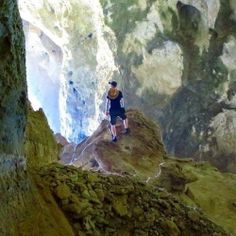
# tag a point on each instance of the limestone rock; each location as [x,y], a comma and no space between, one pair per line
[202,182]
[140,153]
[220,149]
[142,211]
[23,211]
[40,145]
[177,66]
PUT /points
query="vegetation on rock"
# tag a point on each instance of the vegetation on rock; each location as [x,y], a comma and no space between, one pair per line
[98,204]
[40,145]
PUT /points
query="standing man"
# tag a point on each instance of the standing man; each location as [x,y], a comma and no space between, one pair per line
[115,108]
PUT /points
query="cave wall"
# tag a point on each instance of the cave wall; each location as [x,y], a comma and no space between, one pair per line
[86,63]
[178,66]
[23,210]
[13,115]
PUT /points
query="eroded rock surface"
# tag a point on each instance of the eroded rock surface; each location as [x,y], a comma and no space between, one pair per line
[111,205]
[138,153]
[176,64]
[40,145]
[23,211]
[201,185]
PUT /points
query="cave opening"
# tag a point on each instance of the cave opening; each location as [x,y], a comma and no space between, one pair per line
[69,63]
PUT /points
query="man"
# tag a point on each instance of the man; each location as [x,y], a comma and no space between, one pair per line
[115,108]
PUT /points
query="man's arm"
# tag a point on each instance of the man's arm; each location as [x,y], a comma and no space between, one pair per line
[122,102]
[108,102]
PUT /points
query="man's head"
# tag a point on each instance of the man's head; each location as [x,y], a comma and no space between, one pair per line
[113,84]
[179,5]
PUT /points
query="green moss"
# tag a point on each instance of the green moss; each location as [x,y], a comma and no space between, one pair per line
[139,210]
[214,192]
[12,79]
[40,146]
[122,16]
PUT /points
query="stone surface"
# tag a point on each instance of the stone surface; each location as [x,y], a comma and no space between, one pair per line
[178,67]
[202,186]
[143,210]
[12,80]
[139,153]
[72,44]
[40,145]
[23,210]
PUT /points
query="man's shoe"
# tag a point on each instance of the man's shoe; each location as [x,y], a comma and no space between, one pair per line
[114,139]
[127,131]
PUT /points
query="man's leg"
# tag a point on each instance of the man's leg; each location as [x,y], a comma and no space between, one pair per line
[113,128]
[126,123]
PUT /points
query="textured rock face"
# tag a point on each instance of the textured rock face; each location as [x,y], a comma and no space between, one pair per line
[195,184]
[139,153]
[97,204]
[40,145]
[80,57]
[13,114]
[177,65]
[44,64]
[12,86]
[21,205]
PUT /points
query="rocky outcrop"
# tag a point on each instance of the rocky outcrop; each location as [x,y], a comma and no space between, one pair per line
[139,153]
[110,205]
[195,184]
[40,145]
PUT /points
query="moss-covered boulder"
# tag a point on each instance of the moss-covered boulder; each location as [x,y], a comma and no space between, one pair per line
[40,145]
[201,185]
[140,209]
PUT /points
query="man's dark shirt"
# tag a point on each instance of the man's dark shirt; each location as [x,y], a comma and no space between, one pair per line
[115,103]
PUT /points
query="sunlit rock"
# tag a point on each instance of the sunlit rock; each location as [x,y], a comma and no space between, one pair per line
[180,75]
[40,146]
[84,64]
[139,153]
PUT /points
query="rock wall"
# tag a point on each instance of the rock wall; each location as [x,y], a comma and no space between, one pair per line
[175,63]
[40,145]
[13,87]
[44,64]
[82,68]
[13,113]
[23,211]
